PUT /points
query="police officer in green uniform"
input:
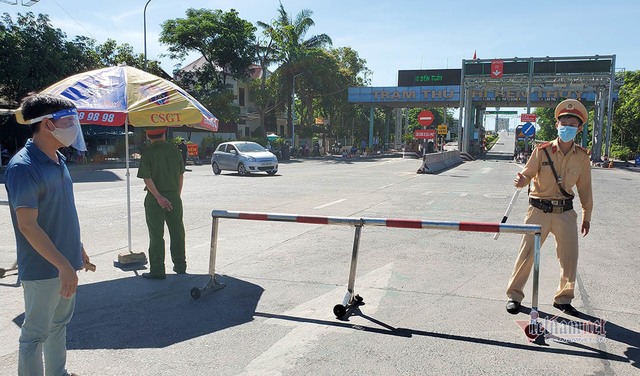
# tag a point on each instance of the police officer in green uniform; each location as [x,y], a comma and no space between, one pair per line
[162,169]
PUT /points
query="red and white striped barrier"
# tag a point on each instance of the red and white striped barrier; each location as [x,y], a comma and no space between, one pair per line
[383,222]
[350,298]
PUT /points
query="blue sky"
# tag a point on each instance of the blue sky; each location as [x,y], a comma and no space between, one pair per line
[390,35]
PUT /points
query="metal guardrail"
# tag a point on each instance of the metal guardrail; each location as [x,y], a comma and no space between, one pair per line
[350,298]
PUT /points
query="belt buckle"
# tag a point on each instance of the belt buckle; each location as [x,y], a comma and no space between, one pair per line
[555,202]
[558,209]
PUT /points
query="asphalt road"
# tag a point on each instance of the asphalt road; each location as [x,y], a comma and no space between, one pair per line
[434,299]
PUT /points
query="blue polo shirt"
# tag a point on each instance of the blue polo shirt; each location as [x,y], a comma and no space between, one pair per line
[33,180]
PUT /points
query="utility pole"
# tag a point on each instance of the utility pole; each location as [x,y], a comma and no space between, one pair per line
[144,16]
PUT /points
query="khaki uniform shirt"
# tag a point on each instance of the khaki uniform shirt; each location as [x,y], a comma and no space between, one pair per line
[573,169]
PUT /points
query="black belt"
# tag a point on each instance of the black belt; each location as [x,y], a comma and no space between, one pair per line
[551,206]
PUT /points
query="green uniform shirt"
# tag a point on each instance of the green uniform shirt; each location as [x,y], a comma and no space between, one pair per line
[162,163]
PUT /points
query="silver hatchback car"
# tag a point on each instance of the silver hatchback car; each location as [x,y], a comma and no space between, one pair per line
[245,157]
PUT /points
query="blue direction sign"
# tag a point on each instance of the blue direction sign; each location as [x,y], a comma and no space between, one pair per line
[528,129]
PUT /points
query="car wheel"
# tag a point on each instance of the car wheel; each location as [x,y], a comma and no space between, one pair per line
[272,172]
[242,170]
[216,168]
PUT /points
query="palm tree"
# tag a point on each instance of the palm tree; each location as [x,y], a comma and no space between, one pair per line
[291,47]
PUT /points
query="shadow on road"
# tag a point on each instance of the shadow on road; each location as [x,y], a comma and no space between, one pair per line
[613,332]
[134,312]
[93,176]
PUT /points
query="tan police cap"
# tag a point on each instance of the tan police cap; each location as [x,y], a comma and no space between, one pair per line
[572,107]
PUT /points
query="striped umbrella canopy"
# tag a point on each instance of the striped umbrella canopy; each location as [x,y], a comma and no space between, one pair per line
[124,95]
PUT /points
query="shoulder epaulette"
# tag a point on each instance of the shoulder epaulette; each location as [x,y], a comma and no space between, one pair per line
[544,145]
[584,149]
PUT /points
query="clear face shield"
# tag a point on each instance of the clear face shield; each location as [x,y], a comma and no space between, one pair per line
[67,127]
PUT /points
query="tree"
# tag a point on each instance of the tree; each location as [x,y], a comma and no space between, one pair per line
[292,47]
[265,55]
[112,54]
[626,118]
[34,55]
[224,40]
[545,118]
[226,43]
[352,71]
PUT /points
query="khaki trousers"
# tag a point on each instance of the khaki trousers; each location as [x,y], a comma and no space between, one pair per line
[564,228]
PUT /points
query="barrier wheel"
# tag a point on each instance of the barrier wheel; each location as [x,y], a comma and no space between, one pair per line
[359,298]
[196,293]
[2,272]
[533,331]
[339,310]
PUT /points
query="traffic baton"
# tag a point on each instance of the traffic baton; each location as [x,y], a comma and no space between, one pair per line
[506,213]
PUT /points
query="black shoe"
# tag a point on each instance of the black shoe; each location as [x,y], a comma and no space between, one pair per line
[153,276]
[567,308]
[513,307]
[179,270]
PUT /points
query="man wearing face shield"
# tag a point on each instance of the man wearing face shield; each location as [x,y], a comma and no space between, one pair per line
[554,169]
[47,232]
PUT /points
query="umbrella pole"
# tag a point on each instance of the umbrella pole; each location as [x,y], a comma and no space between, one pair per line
[126,147]
[129,259]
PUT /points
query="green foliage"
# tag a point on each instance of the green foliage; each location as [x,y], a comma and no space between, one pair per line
[225,41]
[623,153]
[626,119]
[546,121]
[34,55]
[210,142]
[291,49]
[490,140]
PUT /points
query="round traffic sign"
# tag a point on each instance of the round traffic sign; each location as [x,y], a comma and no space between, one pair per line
[425,118]
[528,129]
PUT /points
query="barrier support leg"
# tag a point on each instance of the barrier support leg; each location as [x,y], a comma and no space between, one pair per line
[350,298]
[536,272]
[534,331]
[213,284]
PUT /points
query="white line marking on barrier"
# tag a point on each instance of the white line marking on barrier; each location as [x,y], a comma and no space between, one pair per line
[304,336]
[331,203]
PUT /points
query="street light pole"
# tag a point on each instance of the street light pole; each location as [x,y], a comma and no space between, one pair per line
[144,16]
[293,111]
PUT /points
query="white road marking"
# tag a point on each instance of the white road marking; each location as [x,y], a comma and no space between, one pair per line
[394,160]
[303,338]
[427,193]
[331,203]
[463,194]
[386,186]
[486,170]
[495,195]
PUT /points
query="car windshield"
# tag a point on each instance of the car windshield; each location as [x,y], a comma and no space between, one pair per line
[249,147]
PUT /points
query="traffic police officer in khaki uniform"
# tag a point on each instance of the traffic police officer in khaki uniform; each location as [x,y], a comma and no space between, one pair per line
[551,204]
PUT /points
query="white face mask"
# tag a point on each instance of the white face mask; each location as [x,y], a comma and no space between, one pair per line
[66,136]
[68,130]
